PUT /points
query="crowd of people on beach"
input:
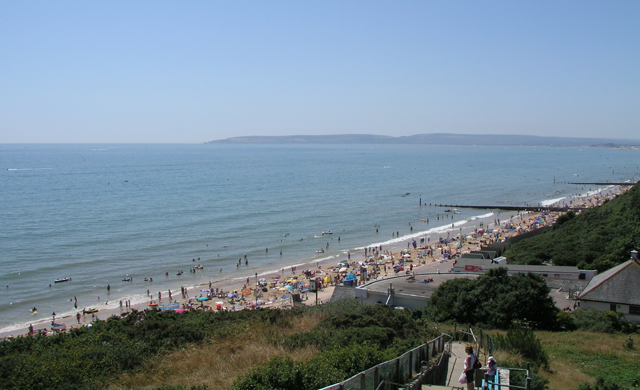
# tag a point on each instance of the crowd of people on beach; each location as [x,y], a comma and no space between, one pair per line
[279,290]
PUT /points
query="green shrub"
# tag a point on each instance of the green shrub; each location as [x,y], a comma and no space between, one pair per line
[566,321]
[628,344]
[593,320]
[523,341]
[279,373]
[322,370]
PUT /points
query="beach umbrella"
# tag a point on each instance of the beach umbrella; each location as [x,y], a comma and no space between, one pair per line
[180,310]
[205,290]
[203,299]
[343,261]
[406,256]
[351,276]
[288,288]
[343,269]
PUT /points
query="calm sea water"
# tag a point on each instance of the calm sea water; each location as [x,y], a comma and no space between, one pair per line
[97,213]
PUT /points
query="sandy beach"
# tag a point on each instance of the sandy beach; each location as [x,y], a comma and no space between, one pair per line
[276,289]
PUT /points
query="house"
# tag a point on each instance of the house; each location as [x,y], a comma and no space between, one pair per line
[615,290]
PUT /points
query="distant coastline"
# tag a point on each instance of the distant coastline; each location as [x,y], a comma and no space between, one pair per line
[437,139]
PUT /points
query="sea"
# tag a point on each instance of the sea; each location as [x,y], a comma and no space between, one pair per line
[101,213]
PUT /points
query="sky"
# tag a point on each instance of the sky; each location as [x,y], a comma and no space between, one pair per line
[190,72]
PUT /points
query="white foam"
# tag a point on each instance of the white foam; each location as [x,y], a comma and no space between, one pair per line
[28,169]
[549,202]
[442,229]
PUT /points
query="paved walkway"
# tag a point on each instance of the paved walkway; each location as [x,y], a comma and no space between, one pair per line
[456,366]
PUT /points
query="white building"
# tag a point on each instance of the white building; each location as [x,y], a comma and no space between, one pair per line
[547,271]
[617,289]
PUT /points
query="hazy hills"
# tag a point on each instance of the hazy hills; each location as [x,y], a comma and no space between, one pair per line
[432,139]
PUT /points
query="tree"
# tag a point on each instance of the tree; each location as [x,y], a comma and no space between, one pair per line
[495,299]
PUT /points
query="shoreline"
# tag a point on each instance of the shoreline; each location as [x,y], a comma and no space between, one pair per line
[393,245]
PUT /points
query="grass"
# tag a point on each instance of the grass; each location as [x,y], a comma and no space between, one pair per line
[578,357]
[216,364]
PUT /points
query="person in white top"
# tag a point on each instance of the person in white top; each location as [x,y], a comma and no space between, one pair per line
[468,366]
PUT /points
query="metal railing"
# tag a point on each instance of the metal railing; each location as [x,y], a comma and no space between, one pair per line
[400,372]
[495,385]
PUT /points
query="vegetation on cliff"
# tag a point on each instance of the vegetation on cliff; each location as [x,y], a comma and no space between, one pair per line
[598,238]
[92,357]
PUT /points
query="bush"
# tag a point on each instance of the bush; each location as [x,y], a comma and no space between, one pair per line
[278,373]
[566,321]
[523,341]
[593,320]
[282,373]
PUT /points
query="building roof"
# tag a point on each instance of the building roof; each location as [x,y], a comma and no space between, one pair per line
[616,285]
[487,264]
[343,292]
[404,285]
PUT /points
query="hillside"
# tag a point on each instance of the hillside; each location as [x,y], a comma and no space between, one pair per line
[598,238]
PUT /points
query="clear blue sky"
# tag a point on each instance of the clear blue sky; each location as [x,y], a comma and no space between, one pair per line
[193,71]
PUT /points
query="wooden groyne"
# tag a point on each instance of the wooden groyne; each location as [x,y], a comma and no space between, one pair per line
[513,208]
[601,184]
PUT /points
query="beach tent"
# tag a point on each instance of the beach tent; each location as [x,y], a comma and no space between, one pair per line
[350,276]
[203,299]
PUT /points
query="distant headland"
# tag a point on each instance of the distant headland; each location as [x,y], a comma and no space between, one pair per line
[437,139]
